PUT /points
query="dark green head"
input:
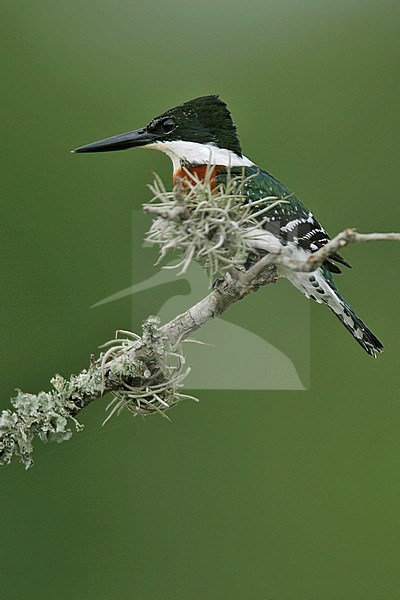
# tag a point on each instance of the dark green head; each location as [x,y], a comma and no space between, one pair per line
[204,120]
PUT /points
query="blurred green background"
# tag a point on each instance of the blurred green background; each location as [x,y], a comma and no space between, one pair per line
[247,495]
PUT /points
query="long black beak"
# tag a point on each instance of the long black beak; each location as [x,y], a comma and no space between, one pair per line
[133,139]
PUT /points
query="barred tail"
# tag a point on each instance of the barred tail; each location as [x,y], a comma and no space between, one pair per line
[358,329]
[320,286]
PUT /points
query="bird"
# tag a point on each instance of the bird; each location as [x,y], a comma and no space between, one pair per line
[201,138]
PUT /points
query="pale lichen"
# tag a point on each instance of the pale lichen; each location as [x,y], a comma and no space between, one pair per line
[45,415]
[144,374]
[149,382]
[206,225]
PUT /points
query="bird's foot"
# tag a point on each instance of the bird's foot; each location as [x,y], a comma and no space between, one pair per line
[218,283]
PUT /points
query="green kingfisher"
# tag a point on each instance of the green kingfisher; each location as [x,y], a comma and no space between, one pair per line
[201,133]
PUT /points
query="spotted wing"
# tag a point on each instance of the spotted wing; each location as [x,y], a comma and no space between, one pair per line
[290,221]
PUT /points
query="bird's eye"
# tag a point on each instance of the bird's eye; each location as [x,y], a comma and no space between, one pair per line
[168,125]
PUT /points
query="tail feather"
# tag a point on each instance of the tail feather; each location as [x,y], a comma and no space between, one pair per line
[359,330]
[320,286]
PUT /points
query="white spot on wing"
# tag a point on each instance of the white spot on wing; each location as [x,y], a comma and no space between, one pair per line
[292,224]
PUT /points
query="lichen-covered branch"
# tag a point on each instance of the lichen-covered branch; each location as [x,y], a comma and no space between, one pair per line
[145,373]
